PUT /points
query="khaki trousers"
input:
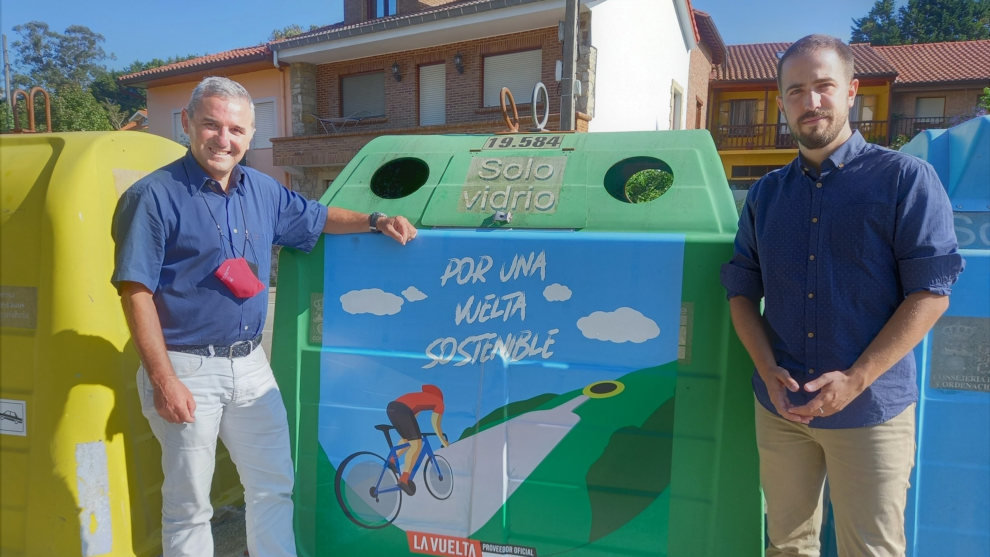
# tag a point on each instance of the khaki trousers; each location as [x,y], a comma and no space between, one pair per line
[868,470]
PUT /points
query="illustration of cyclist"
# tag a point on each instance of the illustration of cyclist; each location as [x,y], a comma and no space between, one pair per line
[402,413]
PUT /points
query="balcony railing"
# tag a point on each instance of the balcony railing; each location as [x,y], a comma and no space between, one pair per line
[754,136]
[778,136]
[910,127]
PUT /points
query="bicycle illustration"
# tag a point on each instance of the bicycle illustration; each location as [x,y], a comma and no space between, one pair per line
[367,485]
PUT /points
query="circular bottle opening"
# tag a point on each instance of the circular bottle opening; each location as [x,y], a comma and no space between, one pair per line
[638,179]
[400,177]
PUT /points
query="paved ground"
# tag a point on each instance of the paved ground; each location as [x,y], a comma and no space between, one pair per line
[228,532]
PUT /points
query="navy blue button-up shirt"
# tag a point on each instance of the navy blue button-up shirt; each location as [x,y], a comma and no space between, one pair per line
[833,256]
[175,226]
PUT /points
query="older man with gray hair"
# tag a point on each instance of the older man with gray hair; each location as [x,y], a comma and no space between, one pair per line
[192,264]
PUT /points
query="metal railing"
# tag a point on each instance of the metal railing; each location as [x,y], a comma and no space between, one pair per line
[753,136]
[778,136]
[910,127]
[874,131]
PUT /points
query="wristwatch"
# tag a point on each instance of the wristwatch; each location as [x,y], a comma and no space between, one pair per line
[373,220]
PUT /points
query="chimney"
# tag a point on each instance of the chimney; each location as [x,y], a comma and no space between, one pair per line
[356,11]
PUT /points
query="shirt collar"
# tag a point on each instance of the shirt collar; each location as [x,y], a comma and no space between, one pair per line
[841,156]
[199,179]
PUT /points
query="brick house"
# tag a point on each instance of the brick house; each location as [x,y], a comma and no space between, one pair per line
[437,66]
[903,90]
[938,84]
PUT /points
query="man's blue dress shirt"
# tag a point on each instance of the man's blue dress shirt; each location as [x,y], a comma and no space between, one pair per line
[174,227]
[833,256]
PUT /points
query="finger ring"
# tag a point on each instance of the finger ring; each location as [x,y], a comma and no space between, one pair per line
[821,410]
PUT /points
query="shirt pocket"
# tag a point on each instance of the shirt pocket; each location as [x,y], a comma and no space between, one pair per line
[861,231]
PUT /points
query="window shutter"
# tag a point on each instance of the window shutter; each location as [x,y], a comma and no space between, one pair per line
[264,124]
[929,107]
[432,95]
[519,71]
[363,95]
[178,135]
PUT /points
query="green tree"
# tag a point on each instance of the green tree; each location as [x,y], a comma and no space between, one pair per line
[984,102]
[6,117]
[878,27]
[290,31]
[647,185]
[932,21]
[923,21]
[50,59]
[119,101]
[75,109]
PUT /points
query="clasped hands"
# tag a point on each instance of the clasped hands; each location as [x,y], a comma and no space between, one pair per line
[836,389]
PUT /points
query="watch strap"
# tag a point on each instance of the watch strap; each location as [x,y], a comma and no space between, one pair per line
[373,220]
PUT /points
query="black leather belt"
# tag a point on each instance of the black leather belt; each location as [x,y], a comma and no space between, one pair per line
[239,349]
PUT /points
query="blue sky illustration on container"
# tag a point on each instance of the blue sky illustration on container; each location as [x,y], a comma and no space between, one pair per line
[491,317]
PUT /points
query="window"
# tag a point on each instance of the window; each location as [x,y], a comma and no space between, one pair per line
[676,105]
[929,107]
[742,177]
[432,95]
[363,95]
[783,139]
[265,127]
[380,8]
[739,116]
[519,71]
[178,135]
[864,108]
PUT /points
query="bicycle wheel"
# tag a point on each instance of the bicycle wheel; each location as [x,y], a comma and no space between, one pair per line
[439,478]
[366,501]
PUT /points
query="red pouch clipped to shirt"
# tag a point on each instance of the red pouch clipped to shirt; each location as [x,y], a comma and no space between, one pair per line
[237,275]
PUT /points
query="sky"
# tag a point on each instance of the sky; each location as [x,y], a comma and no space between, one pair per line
[167,28]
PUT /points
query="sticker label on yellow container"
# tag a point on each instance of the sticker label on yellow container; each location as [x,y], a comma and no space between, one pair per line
[13,417]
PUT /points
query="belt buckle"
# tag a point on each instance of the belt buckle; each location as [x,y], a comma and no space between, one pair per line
[230,351]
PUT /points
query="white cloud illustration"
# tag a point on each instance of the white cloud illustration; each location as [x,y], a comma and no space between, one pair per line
[622,325]
[371,300]
[413,294]
[557,292]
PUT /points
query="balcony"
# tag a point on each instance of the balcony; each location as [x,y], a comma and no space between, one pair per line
[337,149]
[910,127]
[778,136]
[753,136]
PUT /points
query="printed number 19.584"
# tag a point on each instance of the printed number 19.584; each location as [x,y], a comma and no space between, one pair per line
[524,142]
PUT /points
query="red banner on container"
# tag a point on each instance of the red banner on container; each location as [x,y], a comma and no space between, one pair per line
[447,546]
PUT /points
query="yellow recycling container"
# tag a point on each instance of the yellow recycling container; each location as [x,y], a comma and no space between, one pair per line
[81,471]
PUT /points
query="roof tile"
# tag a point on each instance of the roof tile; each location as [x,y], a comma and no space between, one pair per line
[229,57]
[939,62]
[758,62]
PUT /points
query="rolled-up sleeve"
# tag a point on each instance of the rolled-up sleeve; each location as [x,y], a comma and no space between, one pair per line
[139,239]
[925,242]
[741,276]
[300,220]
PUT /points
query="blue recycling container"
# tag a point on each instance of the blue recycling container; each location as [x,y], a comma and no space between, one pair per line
[949,502]
[948,509]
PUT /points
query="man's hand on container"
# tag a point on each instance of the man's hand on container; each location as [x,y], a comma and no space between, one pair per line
[398,228]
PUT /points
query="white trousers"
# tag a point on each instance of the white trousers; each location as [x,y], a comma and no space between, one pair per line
[239,401]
